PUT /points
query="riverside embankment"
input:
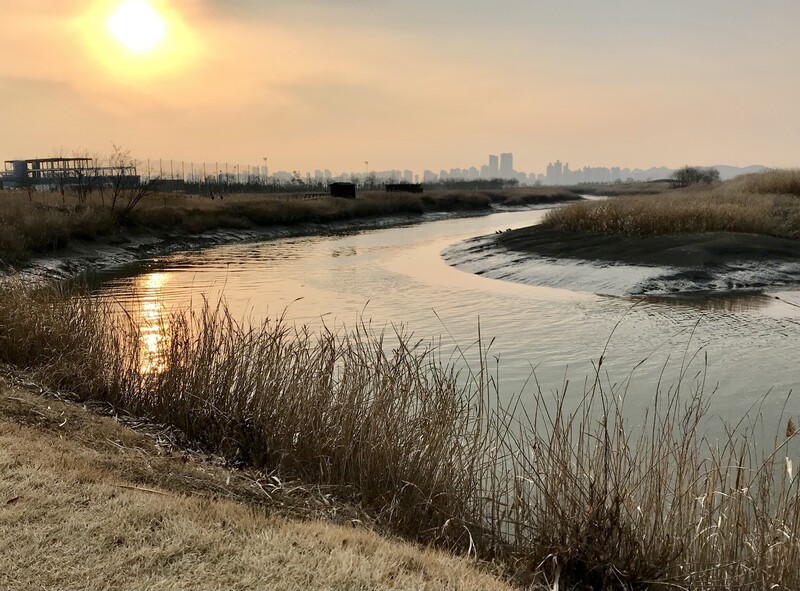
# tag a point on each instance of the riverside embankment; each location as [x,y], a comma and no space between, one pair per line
[46,224]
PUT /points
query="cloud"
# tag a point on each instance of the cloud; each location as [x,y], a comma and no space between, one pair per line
[430,83]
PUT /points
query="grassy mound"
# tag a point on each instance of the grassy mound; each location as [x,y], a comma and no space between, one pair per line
[763,203]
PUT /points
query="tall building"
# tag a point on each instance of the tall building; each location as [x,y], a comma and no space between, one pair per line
[494,168]
[554,172]
[507,165]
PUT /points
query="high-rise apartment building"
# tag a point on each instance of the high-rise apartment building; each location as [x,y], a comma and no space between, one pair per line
[506,165]
[494,168]
[554,172]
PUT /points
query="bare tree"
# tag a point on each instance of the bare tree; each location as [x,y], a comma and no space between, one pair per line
[27,183]
[115,177]
[117,183]
[84,176]
[60,177]
[133,196]
[125,189]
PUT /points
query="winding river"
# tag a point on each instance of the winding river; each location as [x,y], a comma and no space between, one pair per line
[417,279]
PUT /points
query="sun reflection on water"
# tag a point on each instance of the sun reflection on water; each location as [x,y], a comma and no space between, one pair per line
[152,322]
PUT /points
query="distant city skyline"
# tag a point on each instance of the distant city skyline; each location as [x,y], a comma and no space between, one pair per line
[496,167]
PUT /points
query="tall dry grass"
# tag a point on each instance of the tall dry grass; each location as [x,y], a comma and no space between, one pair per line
[772,182]
[43,223]
[764,203]
[568,496]
[118,512]
[196,214]
[29,227]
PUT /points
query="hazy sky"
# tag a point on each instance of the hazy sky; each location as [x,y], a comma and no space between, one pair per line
[414,84]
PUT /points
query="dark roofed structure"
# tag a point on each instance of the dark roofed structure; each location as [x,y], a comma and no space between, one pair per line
[346,190]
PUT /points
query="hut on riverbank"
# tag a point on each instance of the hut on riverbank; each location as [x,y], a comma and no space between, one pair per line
[345,190]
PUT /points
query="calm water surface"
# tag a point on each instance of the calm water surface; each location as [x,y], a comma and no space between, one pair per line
[743,346]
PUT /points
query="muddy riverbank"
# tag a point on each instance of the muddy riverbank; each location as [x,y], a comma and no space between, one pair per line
[636,265]
[120,250]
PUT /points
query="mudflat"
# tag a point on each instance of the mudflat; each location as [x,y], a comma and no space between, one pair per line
[689,251]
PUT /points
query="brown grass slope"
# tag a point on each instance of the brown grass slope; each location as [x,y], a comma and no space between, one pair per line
[86,504]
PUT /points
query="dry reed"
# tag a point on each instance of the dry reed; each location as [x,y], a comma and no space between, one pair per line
[570,497]
[772,182]
[86,503]
[42,223]
[764,203]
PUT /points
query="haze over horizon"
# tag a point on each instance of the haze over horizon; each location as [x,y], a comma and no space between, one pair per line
[309,84]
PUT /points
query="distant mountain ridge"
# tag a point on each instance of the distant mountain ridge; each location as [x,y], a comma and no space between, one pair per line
[726,172]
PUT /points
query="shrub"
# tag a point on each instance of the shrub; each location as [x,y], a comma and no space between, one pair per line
[690,175]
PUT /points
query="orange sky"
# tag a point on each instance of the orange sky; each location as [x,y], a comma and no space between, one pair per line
[310,84]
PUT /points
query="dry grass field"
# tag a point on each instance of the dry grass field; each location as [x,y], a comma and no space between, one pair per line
[763,203]
[43,223]
[621,189]
[569,497]
[89,504]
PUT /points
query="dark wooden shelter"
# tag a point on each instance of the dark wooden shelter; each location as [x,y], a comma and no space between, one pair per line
[346,190]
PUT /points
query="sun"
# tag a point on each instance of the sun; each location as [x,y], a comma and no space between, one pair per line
[138,41]
[137,26]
